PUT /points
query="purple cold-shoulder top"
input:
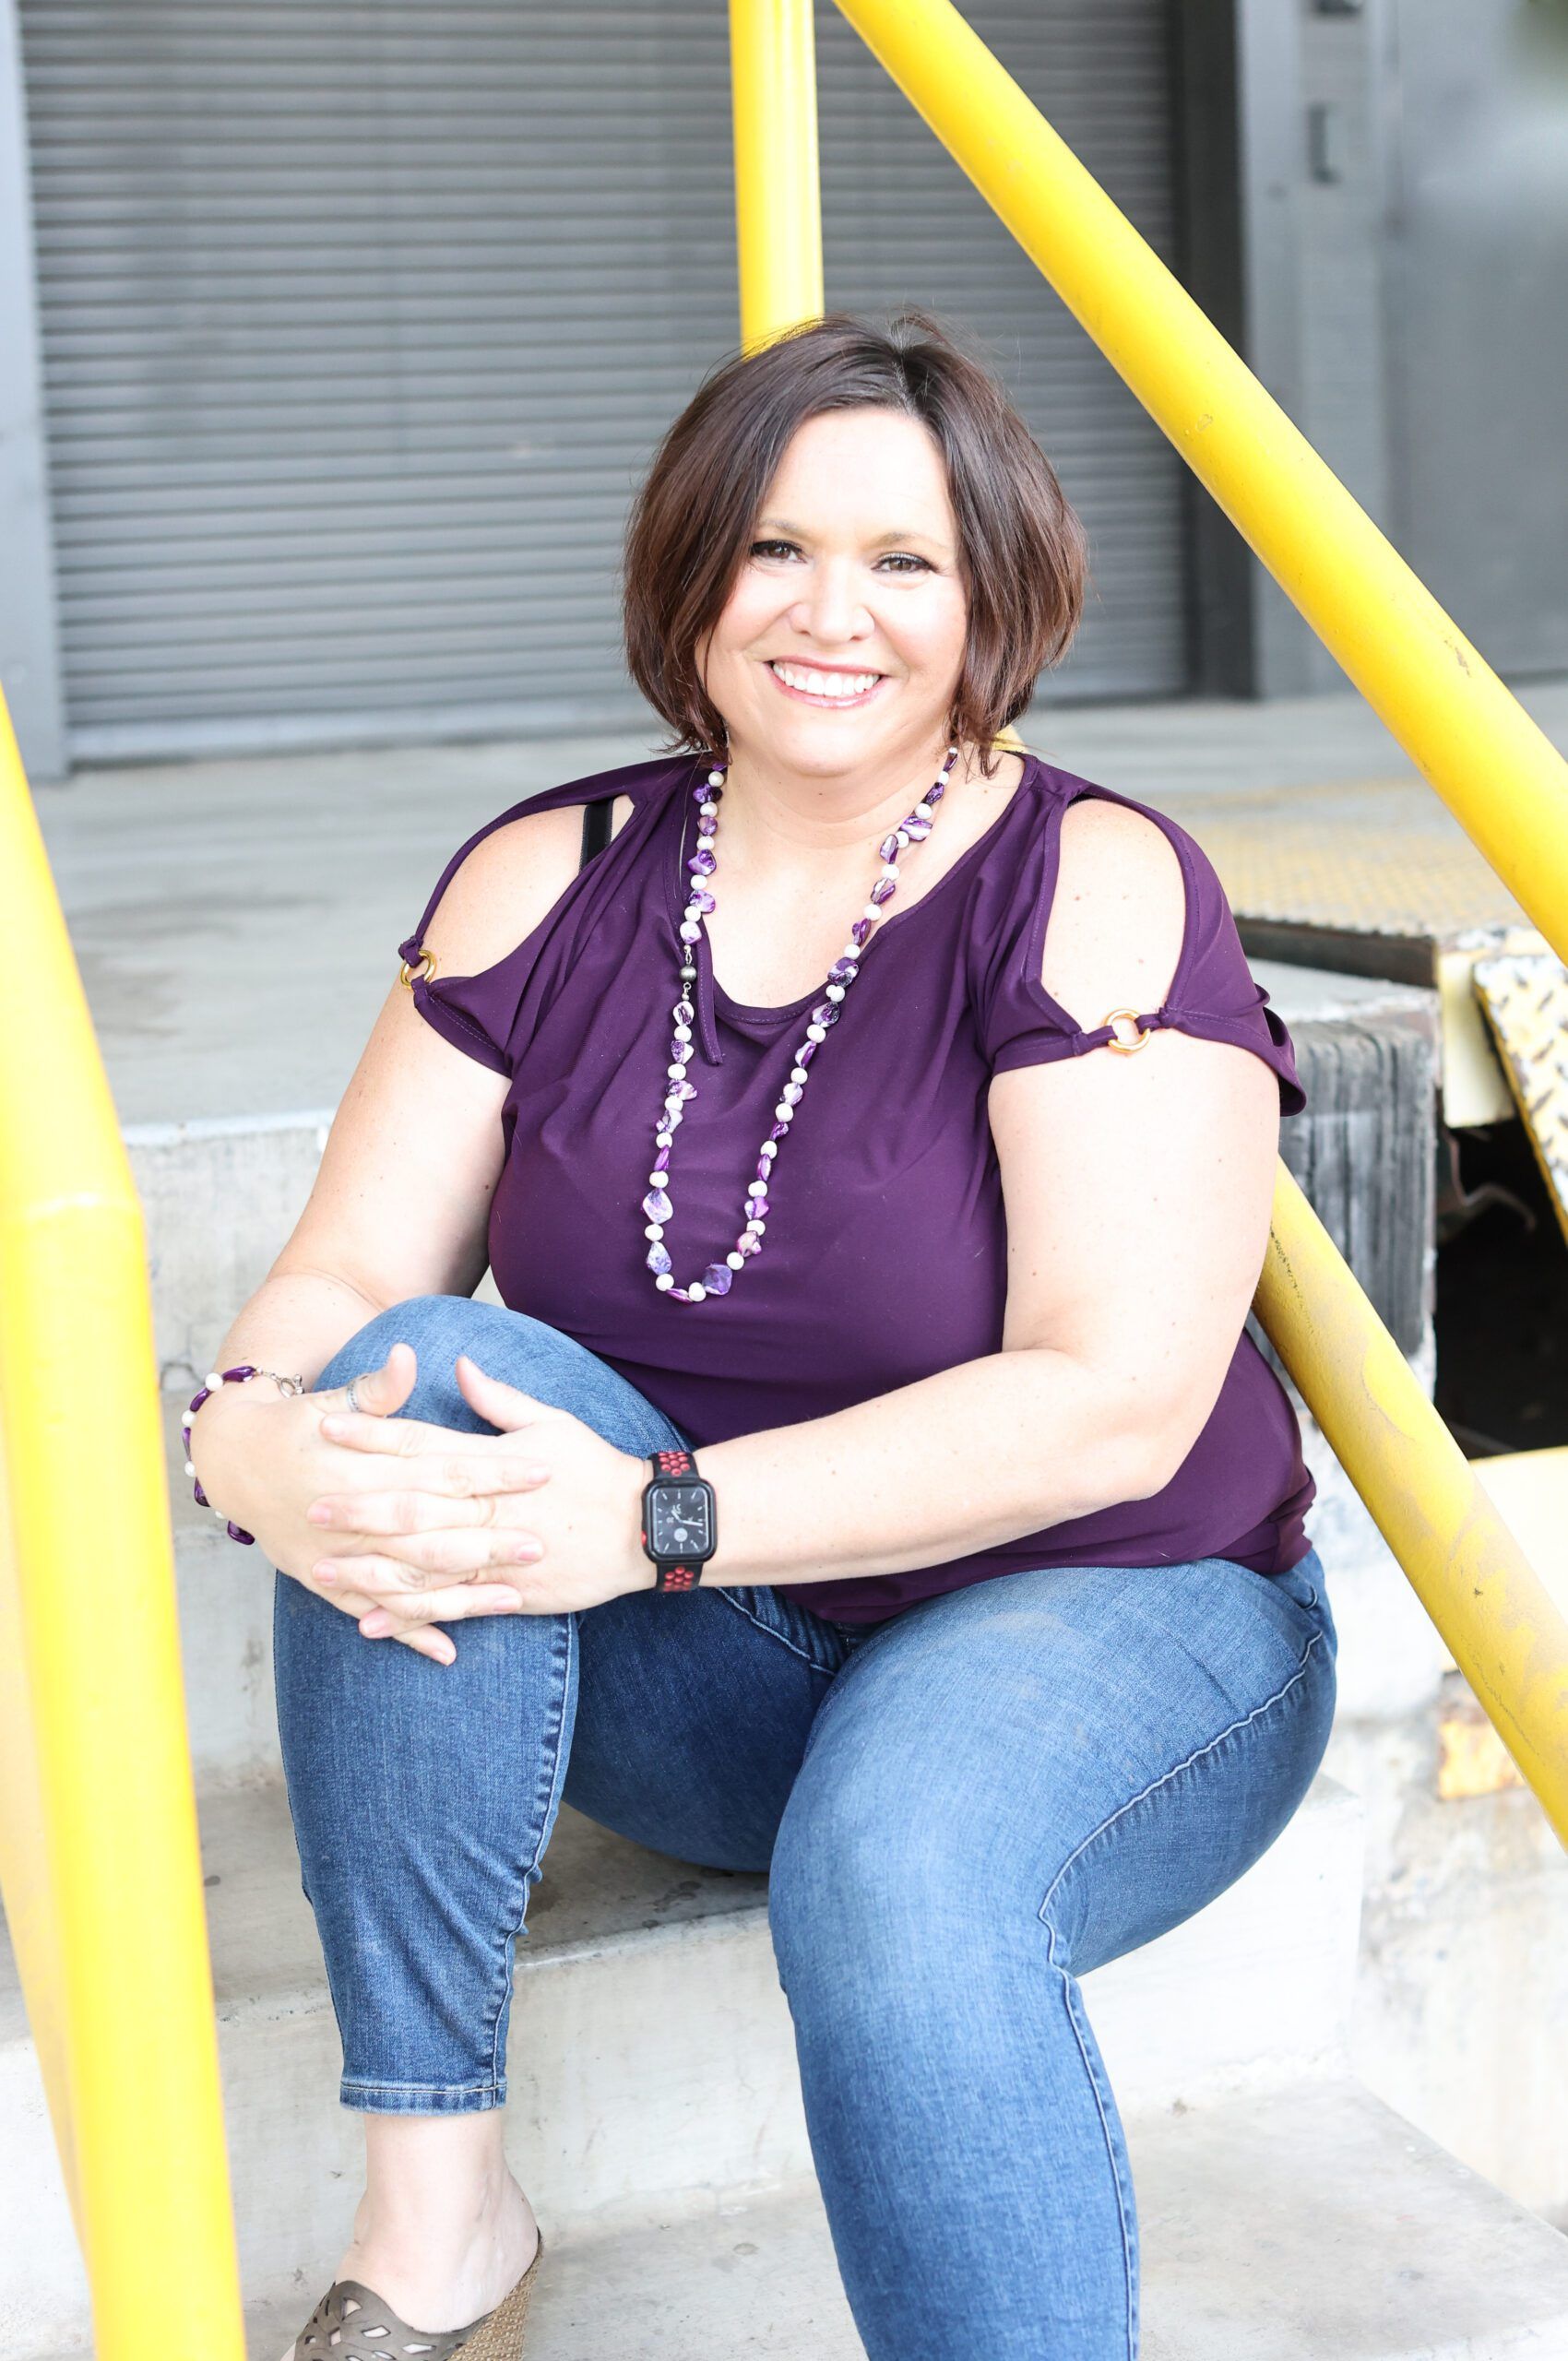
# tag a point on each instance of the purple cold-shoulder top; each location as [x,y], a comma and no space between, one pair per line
[886,1249]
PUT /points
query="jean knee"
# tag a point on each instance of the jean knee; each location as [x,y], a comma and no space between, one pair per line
[437,1326]
[508,1345]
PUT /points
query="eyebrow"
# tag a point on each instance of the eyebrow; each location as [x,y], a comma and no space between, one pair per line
[883,541]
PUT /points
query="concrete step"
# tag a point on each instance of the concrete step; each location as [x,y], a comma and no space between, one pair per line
[1250,1993]
[1304,2223]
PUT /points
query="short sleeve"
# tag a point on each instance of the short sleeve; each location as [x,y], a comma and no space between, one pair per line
[473,1013]
[1212,992]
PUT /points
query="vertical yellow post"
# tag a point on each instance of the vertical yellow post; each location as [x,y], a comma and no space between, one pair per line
[99,1856]
[778,194]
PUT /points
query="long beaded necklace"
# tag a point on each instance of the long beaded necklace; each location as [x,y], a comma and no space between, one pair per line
[719,1277]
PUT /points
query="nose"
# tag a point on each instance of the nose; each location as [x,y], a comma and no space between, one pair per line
[829,611]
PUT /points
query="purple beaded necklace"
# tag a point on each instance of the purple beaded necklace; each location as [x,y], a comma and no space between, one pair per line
[719,1277]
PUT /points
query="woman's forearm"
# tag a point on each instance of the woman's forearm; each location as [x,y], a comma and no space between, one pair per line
[293,1324]
[963,1461]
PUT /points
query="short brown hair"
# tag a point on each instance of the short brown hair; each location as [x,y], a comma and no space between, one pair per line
[1022,553]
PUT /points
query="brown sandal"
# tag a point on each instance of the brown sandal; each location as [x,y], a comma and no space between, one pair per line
[351,2323]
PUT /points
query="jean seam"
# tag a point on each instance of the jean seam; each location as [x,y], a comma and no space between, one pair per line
[771,1630]
[1125,2214]
[426,2090]
[1240,1722]
[567,1634]
[1176,1769]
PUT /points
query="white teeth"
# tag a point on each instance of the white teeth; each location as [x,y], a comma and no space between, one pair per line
[826,684]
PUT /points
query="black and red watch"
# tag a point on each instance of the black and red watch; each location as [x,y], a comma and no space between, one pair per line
[680,1520]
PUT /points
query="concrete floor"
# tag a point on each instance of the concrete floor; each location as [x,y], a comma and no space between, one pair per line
[236,921]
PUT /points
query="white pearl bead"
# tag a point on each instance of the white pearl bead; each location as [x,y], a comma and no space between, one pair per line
[674,1071]
[924,812]
[816,1032]
[663,1139]
[689,930]
[890,869]
[756,1225]
[710,811]
[653,1229]
[783,1111]
[190,1467]
[219,1515]
[799,1074]
[212,1381]
[664,1279]
[696,1291]
[872,911]
[903,836]
[835,991]
[682,1031]
[657,1180]
[736,1261]
[716,779]
[770,1149]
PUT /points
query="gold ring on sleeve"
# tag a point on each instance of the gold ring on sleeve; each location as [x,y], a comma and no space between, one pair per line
[1123,1047]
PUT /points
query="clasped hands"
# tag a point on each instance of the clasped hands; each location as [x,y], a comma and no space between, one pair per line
[542,1518]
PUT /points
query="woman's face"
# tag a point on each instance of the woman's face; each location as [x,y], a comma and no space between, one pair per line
[851,576]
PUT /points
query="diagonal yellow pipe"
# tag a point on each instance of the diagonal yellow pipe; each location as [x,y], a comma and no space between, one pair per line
[1499,774]
[100,1861]
[1506,1632]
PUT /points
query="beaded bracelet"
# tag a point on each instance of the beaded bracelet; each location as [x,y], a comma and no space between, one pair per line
[215,1378]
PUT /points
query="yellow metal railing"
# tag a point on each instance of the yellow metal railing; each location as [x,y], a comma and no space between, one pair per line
[1498,772]
[777,187]
[100,1862]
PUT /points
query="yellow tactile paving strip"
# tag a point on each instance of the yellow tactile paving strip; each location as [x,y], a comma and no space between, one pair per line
[1367,856]
[1525,995]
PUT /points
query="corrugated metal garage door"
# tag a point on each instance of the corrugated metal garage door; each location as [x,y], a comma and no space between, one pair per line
[360,321]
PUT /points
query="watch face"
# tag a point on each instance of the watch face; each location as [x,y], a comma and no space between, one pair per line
[679,1527]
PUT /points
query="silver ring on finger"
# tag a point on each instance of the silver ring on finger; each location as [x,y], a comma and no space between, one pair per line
[349,1395]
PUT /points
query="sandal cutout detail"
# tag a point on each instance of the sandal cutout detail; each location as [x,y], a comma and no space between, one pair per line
[353,2323]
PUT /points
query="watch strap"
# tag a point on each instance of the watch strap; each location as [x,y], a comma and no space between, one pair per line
[675,1464]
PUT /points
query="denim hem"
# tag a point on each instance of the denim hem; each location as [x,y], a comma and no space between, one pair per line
[422,2099]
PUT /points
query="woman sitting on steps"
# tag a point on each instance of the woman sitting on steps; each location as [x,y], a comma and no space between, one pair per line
[870,1478]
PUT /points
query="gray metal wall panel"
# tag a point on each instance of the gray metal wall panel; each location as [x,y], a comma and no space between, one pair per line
[1478,293]
[29,650]
[360,321]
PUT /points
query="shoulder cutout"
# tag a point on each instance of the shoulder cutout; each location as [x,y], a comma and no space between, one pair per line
[1117,915]
[501,889]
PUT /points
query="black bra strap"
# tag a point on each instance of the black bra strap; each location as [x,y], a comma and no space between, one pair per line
[596,827]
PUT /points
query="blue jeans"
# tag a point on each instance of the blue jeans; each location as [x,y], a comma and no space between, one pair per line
[961,1811]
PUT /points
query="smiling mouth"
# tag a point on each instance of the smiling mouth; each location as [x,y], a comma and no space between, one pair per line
[815,686]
